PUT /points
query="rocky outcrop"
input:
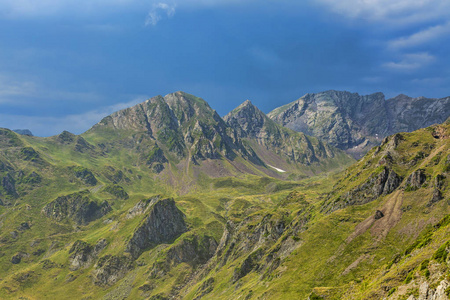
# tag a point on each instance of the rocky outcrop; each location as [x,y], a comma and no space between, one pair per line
[250,263]
[142,207]
[117,191]
[77,207]
[380,183]
[193,250]
[23,132]
[428,293]
[110,268]
[9,185]
[252,124]
[181,124]
[348,120]
[83,254]
[163,223]
[156,159]
[66,137]
[415,180]
[85,175]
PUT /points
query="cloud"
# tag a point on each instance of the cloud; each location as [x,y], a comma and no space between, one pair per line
[421,37]
[157,13]
[399,11]
[411,62]
[76,123]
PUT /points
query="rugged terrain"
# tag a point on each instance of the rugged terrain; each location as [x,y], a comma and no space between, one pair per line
[166,200]
[356,123]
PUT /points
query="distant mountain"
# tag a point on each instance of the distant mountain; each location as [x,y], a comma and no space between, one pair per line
[276,144]
[356,123]
[184,130]
[23,132]
[166,200]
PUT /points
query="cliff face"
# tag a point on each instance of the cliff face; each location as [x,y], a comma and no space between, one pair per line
[252,124]
[356,123]
[184,125]
[163,223]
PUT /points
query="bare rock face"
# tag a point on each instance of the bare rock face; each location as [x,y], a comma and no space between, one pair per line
[110,268]
[416,179]
[193,250]
[77,207]
[251,123]
[348,120]
[142,207]
[163,223]
[83,254]
[378,184]
[182,124]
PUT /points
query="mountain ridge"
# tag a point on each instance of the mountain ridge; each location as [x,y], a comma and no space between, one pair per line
[354,122]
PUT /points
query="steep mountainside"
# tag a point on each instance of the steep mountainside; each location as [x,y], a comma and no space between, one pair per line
[182,130]
[356,123]
[268,138]
[128,210]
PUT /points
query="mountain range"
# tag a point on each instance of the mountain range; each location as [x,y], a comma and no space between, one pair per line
[168,200]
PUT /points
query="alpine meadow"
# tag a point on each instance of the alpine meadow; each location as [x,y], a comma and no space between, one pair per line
[111,191]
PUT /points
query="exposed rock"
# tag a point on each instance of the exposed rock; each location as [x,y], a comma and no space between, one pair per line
[110,269]
[193,250]
[252,124]
[436,197]
[163,223]
[427,293]
[9,185]
[156,159]
[83,254]
[85,175]
[416,179]
[142,207]
[250,263]
[17,258]
[82,145]
[76,206]
[378,215]
[378,184]
[66,137]
[23,132]
[346,120]
[116,190]
[29,154]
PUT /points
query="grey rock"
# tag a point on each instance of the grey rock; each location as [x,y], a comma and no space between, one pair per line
[416,179]
[142,207]
[83,254]
[9,185]
[76,206]
[193,250]
[378,215]
[348,120]
[110,268]
[163,223]
[378,184]
[252,124]
[23,132]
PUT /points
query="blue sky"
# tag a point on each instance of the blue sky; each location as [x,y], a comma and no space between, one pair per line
[65,64]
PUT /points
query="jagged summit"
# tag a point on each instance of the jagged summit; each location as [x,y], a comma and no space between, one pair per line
[252,124]
[356,123]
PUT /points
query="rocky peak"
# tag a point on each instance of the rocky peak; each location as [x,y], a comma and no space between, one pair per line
[356,123]
[247,119]
[163,223]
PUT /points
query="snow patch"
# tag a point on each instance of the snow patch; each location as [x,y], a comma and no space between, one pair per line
[279,170]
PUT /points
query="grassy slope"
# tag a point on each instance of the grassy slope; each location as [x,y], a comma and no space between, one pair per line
[325,261]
